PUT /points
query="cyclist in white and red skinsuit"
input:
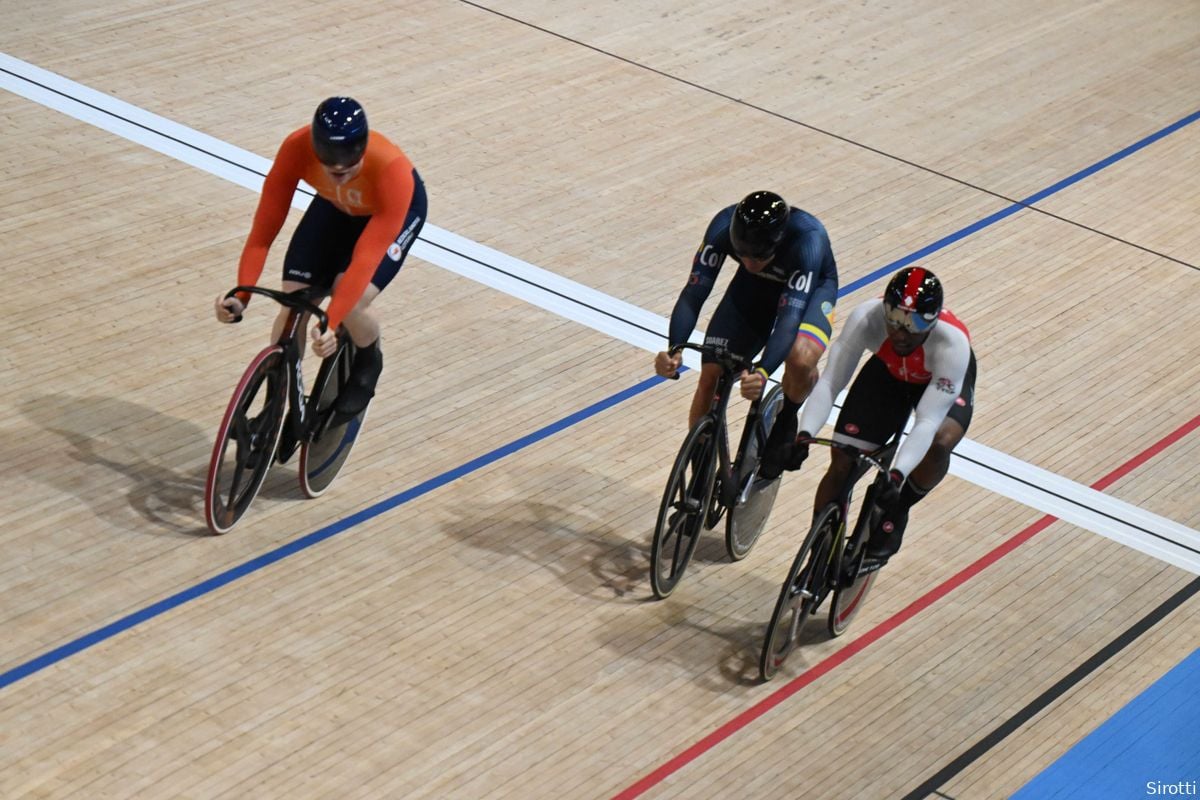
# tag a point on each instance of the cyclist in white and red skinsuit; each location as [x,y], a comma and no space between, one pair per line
[921,362]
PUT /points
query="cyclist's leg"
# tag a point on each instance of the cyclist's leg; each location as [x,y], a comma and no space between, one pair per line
[362,325]
[705,387]
[936,463]
[731,328]
[875,410]
[889,534]
[319,248]
[799,377]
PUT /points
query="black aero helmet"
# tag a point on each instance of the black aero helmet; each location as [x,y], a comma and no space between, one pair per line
[913,300]
[758,224]
[339,132]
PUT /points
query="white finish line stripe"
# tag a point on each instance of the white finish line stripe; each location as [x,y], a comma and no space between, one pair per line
[1018,480]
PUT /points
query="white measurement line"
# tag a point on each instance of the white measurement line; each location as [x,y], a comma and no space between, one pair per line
[1011,477]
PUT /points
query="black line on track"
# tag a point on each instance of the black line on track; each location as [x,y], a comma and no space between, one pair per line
[1038,704]
[253,171]
[1078,504]
[830,134]
[528,282]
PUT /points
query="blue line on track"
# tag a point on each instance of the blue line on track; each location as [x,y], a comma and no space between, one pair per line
[1004,213]
[217,581]
[305,542]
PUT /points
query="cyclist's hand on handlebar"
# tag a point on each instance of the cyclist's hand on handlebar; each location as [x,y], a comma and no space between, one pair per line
[324,344]
[667,365]
[229,309]
[753,383]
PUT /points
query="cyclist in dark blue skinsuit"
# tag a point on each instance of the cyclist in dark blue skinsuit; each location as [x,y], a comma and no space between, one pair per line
[780,299]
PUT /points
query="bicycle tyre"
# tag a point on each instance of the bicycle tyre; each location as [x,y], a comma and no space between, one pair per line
[793,607]
[228,488]
[746,520]
[331,437]
[683,509]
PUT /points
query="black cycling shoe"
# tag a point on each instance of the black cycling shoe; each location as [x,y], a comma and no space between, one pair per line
[360,388]
[777,452]
[884,541]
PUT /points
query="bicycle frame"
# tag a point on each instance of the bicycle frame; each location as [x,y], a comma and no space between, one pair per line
[733,487]
[692,500]
[287,420]
[299,304]
[878,460]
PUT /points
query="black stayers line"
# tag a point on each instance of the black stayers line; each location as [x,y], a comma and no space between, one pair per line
[1038,704]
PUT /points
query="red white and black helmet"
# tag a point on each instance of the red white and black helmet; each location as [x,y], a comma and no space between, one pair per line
[913,300]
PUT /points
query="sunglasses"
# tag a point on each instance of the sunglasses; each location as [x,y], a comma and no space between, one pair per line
[911,321]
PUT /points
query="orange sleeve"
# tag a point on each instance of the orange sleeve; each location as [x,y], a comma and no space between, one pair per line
[273,207]
[396,191]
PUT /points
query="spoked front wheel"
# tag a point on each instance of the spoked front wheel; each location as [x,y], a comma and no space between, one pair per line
[683,509]
[331,435]
[802,592]
[748,516]
[246,441]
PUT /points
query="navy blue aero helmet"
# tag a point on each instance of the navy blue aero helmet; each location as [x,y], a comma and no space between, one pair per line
[339,132]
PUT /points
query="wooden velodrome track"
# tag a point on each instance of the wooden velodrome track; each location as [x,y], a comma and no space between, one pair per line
[489,634]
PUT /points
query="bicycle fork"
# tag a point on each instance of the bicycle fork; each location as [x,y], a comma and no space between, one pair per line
[296,404]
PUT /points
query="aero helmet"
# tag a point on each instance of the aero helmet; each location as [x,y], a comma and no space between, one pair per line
[913,300]
[339,132]
[758,224]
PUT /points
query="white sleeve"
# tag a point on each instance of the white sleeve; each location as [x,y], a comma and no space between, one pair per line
[859,334]
[947,357]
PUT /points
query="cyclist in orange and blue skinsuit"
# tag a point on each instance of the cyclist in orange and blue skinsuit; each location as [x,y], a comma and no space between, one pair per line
[370,207]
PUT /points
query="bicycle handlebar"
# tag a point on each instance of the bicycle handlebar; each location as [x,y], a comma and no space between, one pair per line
[297,300]
[725,359]
[873,458]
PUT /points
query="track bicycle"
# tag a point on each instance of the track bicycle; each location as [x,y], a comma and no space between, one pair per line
[829,561]
[269,417]
[705,484]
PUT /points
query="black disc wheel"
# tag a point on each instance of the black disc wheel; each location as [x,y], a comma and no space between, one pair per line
[331,435]
[756,497]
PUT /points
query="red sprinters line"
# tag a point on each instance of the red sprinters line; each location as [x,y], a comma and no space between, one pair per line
[884,628]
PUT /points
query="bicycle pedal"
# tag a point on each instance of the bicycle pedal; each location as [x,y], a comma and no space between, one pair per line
[690,505]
